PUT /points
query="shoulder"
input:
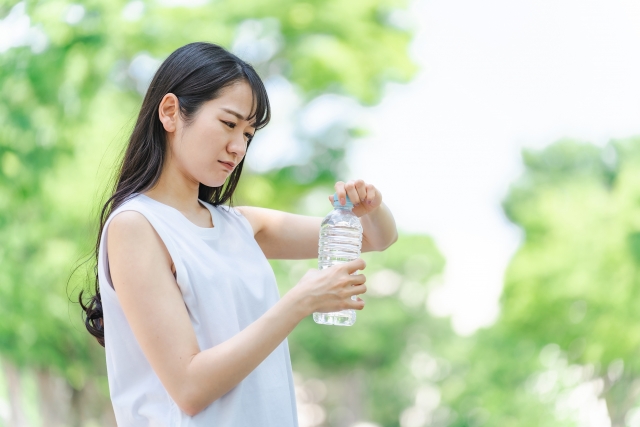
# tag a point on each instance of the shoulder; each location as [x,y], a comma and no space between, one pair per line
[131,239]
[131,218]
[255,216]
[132,229]
[129,221]
[129,227]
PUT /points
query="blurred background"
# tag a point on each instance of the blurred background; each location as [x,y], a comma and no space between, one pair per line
[504,135]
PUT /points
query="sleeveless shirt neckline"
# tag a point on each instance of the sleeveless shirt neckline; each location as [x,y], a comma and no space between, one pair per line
[208,233]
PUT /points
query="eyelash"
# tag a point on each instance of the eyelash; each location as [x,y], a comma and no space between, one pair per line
[233,125]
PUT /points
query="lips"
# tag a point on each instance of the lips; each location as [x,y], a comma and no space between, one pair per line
[228,165]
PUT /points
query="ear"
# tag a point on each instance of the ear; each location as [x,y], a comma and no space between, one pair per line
[169,112]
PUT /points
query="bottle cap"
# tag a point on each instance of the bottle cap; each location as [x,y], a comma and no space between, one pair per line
[336,202]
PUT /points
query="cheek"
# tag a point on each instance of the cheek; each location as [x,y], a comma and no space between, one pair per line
[197,147]
[198,155]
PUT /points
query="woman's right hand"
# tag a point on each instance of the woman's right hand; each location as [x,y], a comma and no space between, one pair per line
[331,289]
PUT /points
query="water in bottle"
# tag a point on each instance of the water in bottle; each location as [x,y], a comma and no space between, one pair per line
[340,242]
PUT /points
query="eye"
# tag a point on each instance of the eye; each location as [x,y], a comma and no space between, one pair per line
[249,136]
[230,124]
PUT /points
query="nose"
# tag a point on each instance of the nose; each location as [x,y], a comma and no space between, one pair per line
[237,146]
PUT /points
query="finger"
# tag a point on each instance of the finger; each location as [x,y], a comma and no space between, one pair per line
[341,192]
[358,304]
[372,193]
[355,265]
[350,186]
[356,279]
[357,290]
[361,188]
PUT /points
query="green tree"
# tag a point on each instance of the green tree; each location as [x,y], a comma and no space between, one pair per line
[574,282]
[70,89]
[567,335]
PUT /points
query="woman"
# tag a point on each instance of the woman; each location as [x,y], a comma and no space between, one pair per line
[194,329]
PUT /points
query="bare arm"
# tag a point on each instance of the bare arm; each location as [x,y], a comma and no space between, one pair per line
[378,229]
[151,300]
[283,235]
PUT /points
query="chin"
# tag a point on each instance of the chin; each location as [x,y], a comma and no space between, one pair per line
[213,182]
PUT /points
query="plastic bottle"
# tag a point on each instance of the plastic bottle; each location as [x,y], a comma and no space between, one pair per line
[340,242]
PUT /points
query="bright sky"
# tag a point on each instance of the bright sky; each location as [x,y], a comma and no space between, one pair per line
[497,75]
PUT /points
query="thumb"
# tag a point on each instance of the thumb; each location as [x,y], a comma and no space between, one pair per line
[355,265]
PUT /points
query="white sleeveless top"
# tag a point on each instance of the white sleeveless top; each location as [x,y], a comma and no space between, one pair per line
[227,284]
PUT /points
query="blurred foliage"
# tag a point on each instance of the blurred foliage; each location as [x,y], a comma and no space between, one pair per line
[69,97]
[575,280]
[70,88]
[568,331]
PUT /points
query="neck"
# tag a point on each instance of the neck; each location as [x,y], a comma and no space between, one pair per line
[176,189]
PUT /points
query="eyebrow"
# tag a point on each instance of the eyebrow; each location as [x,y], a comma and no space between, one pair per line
[235,113]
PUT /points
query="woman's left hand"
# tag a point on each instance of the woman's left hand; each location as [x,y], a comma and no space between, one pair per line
[365,197]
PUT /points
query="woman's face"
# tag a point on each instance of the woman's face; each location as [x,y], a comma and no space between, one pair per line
[209,148]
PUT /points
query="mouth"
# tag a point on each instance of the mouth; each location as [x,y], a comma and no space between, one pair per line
[228,165]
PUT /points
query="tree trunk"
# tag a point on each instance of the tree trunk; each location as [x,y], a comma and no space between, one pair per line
[621,397]
[354,391]
[77,410]
[108,417]
[345,399]
[17,417]
[89,405]
[54,399]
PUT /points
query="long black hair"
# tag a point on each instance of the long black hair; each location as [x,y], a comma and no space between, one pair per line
[195,73]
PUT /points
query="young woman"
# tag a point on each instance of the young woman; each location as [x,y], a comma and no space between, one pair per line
[186,303]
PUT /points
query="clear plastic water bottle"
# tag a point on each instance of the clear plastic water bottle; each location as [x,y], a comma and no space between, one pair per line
[340,242]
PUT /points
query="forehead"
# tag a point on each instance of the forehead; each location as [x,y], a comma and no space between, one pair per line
[237,96]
